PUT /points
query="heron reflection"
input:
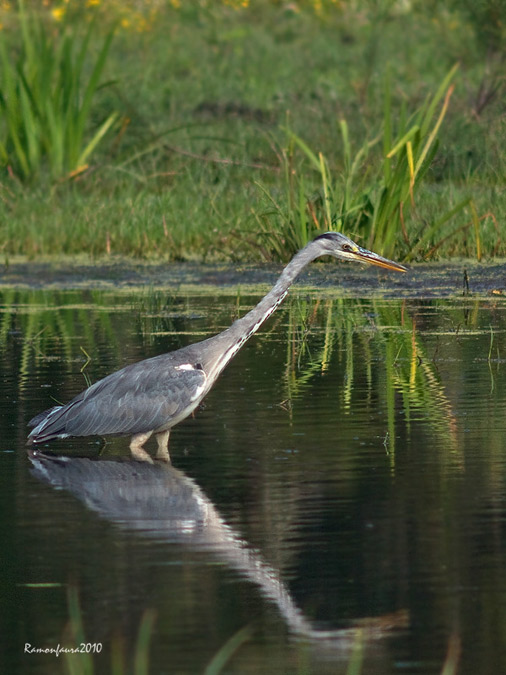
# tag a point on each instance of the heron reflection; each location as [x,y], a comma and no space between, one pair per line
[161,501]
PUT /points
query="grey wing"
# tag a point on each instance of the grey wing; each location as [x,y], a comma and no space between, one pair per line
[142,397]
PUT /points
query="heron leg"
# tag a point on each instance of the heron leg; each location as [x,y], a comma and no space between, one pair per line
[163,446]
[136,448]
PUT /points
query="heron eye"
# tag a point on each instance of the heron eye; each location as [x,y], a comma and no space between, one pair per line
[346,248]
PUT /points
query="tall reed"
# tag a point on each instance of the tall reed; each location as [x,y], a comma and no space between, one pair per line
[373,201]
[46,97]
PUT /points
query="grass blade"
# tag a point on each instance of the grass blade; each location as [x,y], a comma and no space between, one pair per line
[223,656]
[476,225]
[435,130]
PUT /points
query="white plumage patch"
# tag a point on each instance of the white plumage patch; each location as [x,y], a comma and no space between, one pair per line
[185,366]
[198,391]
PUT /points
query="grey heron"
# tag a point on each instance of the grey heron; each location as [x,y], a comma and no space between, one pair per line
[151,396]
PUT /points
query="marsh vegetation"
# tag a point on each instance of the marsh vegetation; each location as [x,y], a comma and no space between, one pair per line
[237,130]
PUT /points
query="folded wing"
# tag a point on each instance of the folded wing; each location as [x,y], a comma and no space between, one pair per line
[142,397]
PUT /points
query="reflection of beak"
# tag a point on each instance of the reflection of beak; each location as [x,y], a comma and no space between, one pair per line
[362,255]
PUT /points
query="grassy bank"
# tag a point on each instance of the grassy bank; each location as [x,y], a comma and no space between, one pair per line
[216,108]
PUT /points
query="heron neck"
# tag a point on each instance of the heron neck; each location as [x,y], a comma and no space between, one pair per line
[242,329]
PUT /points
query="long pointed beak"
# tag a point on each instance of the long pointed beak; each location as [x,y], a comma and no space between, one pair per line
[363,255]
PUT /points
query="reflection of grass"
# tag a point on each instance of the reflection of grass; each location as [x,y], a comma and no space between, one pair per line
[57,321]
[414,376]
[226,652]
[396,351]
[83,663]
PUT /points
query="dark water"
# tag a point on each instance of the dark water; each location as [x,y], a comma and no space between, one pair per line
[337,506]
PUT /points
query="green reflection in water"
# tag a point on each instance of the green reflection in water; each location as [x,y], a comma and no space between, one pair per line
[378,335]
[358,444]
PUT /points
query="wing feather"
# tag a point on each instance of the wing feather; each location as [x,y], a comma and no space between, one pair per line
[142,397]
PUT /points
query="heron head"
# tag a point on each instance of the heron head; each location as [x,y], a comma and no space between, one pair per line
[343,248]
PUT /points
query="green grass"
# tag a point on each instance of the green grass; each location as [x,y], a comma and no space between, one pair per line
[211,101]
[373,201]
[44,102]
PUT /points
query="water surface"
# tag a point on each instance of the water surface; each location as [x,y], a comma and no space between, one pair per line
[338,501]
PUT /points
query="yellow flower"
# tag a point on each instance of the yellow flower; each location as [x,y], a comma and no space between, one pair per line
[58,13]
[317,6]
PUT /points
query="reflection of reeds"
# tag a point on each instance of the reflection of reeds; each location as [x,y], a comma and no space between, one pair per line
[422,389]
[396,345]
[82,661]
[301,364]
[225,653]
[54,321]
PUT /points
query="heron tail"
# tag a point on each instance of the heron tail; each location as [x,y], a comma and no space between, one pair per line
[40,424]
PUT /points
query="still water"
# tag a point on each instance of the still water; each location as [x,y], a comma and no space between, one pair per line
[338,505]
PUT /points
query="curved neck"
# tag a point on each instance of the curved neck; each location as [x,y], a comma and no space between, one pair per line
[242,329]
